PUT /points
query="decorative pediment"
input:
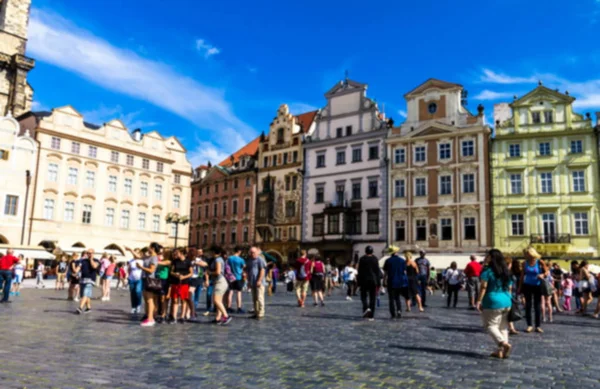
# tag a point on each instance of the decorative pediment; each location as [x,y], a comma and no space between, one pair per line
[542,93]
[111,200]
[74,160]
[432,83]
[50,190]
[399,213]
[174,144]
[71,194]
[345,86]
[446,211]
[435,129]
[420,212]
[88,196]
[54,155]
[69,110]
[129,172]
[126,202]
[116,123]
[91,163]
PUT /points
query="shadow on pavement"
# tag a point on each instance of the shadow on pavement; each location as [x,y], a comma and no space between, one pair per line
[471,330]
[467,354]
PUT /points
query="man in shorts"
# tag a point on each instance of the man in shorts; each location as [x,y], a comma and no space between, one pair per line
[303,275]
[88,267]
[237,266]
[18,270]
[61,273]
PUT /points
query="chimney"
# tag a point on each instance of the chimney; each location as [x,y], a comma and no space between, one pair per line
[137,135]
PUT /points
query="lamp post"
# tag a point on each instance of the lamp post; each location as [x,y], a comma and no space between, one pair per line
[173,218]
[27,184]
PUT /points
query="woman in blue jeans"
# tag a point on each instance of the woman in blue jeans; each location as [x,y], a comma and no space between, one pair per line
[135,284]
[534,272]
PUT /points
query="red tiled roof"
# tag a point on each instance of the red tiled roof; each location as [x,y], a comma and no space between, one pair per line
[306,119]
[250,149]
[202,167]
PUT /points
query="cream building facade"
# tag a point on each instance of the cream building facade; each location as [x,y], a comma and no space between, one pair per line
[18,156]
[103,187]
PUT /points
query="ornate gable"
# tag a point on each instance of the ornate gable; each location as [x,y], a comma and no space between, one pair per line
[345,86]
[432,83]
[432,129]
[542,93]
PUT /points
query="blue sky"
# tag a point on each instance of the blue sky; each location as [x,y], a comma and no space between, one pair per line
[214,73]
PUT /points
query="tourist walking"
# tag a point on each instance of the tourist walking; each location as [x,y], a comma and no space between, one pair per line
[18,271]
[424,270]
[575,273]
[162,273]
[317,280]
[368,280]
[472,272]
[151,286]
[74,276]
[587,285]
[454,278]
[7,264]
[256,281]
[109,273]
[329,284]
[534,273]
[87,266]
[135,283]
[495,301]
[412,274]
[349,277]
[567,287]
[179,275]
[237,266]
[394,278]
[61,273]
[40,270]
[217,273]
[303,276]
[290,278]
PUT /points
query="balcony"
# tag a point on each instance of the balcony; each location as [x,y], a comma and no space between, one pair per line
[542,239]
[342,206]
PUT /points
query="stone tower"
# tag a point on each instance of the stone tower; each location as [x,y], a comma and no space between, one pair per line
[15,92]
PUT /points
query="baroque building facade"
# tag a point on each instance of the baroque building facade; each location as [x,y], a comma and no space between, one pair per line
[102,187]
[279,184]
[345,181]
[439,177]
[544,168]
[15,92]
[223,201]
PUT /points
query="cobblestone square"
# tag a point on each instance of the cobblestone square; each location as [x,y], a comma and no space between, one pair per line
[45,345]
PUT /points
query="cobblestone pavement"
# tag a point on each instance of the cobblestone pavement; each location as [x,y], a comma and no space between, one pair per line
[45,345]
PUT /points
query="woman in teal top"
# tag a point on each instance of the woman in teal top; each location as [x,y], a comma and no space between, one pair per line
[495,301]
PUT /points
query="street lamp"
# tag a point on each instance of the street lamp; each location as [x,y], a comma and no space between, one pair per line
[27,183]
[173,218]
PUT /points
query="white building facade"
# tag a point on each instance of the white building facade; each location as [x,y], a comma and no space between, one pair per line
[101,187]
[345,177]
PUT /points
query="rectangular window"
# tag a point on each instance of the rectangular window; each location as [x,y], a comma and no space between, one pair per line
[90,179]
[128,186]
[158,192]
[75,147]
[576,147]
[290,209]
[215,209]
[124,219]
[176,201]
[235,184]
[143,189]
[319,194]
[285,158]
[468,148]
[114,156]
[246,205]
[141,221]
[274,161]
[373,222]
[294,182]
[356,191]
[420,155]
[578,181]
[446,185]
[55,143]
[222,237]
[348,130]
[177,179]
[206,215]
[399,155]
[295,156]
[373,191]
[92,151]
[333,224]
[245,232]
[535,117]
[112,183]
[86,217]
[205,239]
[234,207]
[145,163]
[470,231]
[399,188]
[581,223]
[420,187]
[11,205]
[400,231]
[318,224]
[546,182]
[340,158]
[516,185]
[374,152]
[353,222]
[544,149]
[214,237]
[518,224]
[48,209]
[233,236]
[321,160]
[109,218]
[339,132]
[72,178]
[356,154]
[548,117]
[129,160]
[514,150]
[469,183]
[155,223]
[340,194]
[421,229]
[52,172]
[160,167]
[224,208]
[69,211]
[446,229]
[444,151]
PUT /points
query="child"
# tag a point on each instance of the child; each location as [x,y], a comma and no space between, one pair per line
[290,277]
[39,279]
[567,286]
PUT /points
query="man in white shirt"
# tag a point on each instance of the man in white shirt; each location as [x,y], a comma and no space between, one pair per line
[349,275]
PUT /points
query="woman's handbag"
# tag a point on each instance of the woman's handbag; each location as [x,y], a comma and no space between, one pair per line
[154,284]
[546,288]
[515,312]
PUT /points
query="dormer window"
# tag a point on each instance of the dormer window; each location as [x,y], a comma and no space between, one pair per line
[432,108]
[535,118]
[280,136]
[548,117]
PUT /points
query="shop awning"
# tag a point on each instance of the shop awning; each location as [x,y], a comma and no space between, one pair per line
[33,252]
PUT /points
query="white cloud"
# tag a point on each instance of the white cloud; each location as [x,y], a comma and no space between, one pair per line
[491,95]
[57,41]
[37,106]
[104,114]
[491,77]
[299,108]
[206,151]
[402,113]
[206,49]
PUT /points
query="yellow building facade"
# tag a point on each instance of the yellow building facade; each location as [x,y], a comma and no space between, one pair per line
[544,176]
